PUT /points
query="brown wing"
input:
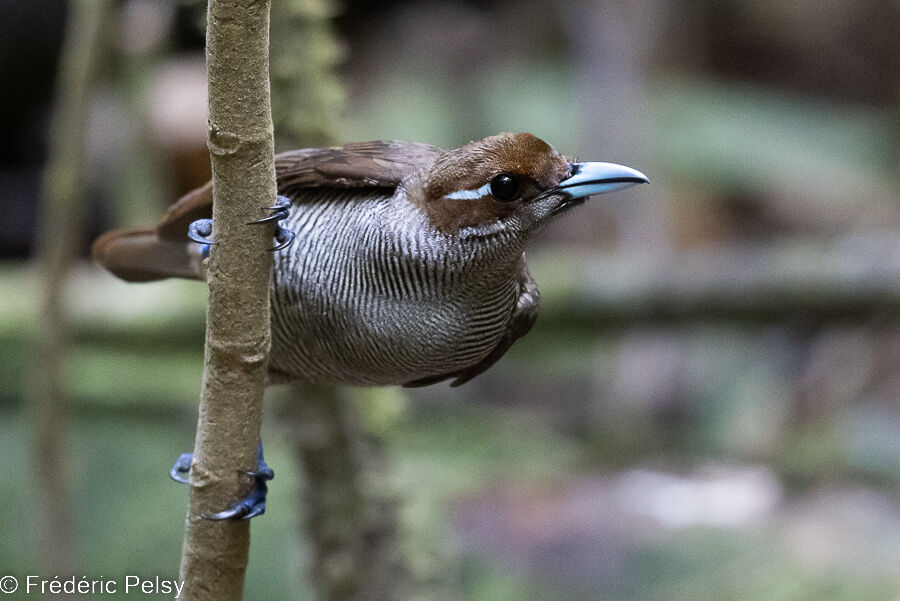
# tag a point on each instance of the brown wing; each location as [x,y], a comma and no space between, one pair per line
[144,255]
[380,164]
[523,317]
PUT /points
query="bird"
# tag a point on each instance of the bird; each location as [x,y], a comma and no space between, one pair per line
[407,265]
[399,263]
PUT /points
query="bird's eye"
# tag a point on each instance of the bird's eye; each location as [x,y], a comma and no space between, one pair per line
[504,187]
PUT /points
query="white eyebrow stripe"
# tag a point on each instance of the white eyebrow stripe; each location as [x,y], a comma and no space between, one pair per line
[481,192]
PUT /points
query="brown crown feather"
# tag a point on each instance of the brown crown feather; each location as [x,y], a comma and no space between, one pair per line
[537,165]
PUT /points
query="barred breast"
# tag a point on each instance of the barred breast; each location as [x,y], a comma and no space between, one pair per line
[370,295]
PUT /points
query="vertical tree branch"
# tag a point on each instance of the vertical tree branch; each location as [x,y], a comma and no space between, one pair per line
[307,95]
[214,555]
[350,502]
[57,246]
[612,44]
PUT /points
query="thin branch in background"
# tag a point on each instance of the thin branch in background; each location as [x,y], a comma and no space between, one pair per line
[215,553]
[307,95]
[349,506]
[59,238]
[611,45]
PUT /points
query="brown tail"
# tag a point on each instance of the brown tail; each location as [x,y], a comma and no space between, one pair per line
[163,252]
[142,256]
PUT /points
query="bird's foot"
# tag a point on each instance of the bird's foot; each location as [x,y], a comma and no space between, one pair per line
[252,505]
[200,230]
[281,210]
[181,468]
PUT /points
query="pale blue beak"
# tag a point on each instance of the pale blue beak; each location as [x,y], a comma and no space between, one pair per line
[588,179]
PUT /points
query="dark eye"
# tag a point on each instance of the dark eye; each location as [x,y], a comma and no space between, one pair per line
[504,187]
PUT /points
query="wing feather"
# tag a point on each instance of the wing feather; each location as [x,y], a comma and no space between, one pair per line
[379,164]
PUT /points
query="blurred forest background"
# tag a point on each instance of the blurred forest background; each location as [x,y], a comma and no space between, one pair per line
[709,404]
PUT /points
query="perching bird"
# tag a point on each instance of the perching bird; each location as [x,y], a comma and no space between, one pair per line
[407,262]
[407,265]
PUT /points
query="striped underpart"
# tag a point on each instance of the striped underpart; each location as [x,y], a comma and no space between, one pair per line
[370,294]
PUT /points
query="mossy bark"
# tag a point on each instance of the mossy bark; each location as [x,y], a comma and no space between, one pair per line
[307,94]
[214,556]
[350,502]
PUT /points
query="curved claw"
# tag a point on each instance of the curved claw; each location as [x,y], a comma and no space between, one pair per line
[283,237]
[276,216]
[250,507]
[199,231]
[181,466]
[253,504]
[281,210]
[281,202]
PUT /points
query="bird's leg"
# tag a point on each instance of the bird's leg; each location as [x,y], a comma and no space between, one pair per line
[252,505]
[281,210]
[200,231]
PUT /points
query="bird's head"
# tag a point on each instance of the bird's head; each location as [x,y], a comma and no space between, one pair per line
[511,182]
